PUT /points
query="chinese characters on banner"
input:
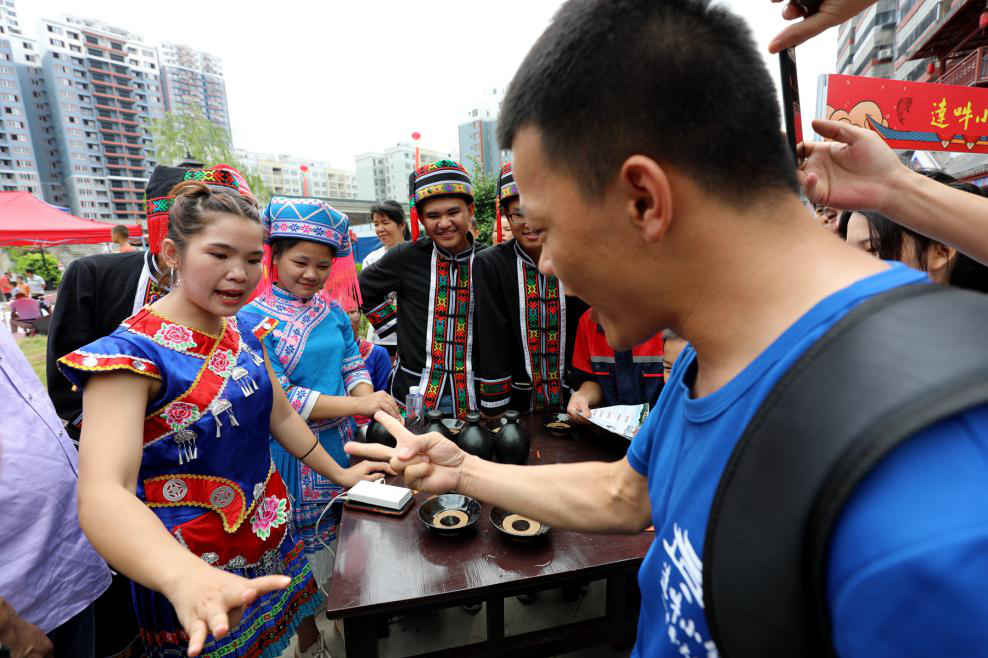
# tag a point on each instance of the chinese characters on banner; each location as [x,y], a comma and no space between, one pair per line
[918,116]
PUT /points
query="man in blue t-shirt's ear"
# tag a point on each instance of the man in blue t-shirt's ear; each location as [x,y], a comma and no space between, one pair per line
[649,156]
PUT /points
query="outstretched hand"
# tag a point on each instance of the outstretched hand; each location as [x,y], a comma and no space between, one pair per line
[855,171]
[366,470]
[832,12]
[428,462]
[211,601]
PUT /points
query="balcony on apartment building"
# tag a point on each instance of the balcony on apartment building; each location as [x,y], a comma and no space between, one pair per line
[956,44]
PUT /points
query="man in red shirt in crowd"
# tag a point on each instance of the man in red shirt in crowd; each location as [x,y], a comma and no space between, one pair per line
[6,286]
[603,377]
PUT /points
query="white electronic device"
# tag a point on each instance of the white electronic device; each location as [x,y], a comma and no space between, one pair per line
[377,494]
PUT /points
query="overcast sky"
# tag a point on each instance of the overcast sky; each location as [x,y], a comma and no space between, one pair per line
[328,79]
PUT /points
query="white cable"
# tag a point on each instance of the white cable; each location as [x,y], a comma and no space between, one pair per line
[341,495]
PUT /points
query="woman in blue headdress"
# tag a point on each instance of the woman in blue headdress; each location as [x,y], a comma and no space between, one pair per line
[309,268]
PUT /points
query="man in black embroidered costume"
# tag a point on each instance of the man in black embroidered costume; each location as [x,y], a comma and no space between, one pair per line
[432,281]
[526,325]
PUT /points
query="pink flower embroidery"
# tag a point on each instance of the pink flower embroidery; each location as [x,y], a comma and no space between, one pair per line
[222,362]
[175,336]
[180,414]
[270,513]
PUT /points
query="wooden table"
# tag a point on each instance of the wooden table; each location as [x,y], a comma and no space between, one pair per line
[386,566]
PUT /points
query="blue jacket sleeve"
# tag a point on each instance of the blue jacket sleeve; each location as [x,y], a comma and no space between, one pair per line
[379,365]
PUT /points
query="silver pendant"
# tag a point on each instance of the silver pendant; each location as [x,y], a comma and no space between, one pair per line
[218,407]
[247,384]
[255,357]
[186,440]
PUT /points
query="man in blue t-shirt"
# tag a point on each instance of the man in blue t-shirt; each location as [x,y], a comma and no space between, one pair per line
[649,157]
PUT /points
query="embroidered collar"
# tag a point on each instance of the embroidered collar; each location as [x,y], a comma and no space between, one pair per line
[522,254]
[446,254]
[286,305]
[177,336]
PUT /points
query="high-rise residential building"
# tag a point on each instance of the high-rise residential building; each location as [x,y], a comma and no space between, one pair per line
[932,41]
[866,44]
[384,175]
[192,82]
[294,176]
[18,157]
[478,136]
[915,40]
[104,88]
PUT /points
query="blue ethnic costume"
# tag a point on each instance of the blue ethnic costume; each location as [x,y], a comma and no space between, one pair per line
[313,353]
[207,473]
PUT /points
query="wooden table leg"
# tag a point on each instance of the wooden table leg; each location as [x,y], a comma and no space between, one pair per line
[360,636]
[495,621]
[617,597]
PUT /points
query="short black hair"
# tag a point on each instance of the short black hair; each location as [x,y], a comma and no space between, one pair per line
[390,209]
[121,231]
[679,81]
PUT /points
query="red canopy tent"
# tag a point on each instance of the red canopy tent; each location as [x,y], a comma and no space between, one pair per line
[25,220]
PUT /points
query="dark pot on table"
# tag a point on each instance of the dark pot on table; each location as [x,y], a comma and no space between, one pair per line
[512,444]
[475,438]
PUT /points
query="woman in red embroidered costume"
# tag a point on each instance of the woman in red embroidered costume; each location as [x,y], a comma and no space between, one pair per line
[176,485]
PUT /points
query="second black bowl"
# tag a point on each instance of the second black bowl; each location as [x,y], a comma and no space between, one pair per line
[516,526]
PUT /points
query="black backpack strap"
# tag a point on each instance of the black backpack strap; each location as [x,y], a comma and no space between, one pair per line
[894,365]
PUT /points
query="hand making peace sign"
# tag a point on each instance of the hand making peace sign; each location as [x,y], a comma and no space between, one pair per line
[428,462]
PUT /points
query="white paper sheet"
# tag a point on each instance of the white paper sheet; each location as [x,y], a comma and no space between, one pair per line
[624,420]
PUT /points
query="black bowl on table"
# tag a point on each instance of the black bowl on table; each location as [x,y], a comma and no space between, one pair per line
[516,526]
[449,514]
[557,423]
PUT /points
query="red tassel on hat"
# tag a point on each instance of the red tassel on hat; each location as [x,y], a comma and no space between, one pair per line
[157,232]
[342,283]
[497,218]
[414,214]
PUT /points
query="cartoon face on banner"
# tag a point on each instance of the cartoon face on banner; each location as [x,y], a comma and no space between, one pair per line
[909,115]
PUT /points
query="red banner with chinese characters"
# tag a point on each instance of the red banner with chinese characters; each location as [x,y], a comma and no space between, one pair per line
[919,116]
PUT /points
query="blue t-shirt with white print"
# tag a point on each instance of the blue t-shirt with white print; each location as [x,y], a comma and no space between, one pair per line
[908,569]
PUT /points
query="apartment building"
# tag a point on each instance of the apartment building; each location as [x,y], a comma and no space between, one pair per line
[104,88]
[384,175]
[192,82]
[293,176]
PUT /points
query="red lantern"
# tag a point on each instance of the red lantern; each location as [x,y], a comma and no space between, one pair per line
[983,20]
[304,168]
[416,136]
[931,68]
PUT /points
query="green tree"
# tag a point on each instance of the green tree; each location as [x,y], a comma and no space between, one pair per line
[484,197]
[46,268]
[178,135]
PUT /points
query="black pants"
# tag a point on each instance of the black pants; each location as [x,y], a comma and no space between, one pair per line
[116,623]
[76,638]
